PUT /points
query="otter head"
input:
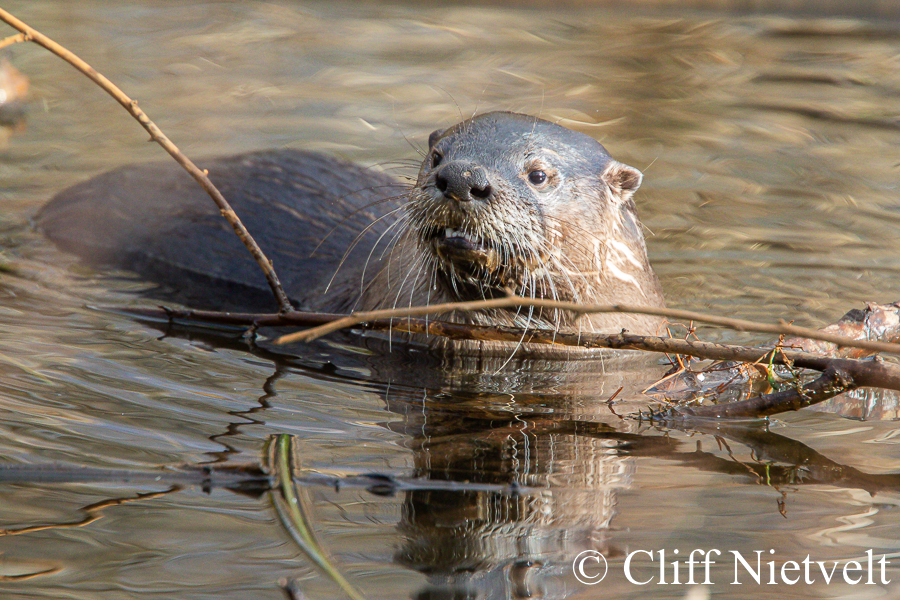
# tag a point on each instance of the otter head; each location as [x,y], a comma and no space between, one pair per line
[507,202]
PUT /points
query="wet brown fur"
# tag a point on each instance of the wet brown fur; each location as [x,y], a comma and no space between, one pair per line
[579,241]
[344,237]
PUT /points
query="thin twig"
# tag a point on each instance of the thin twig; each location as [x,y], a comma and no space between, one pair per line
[517,301]
[159,137]
[14,39]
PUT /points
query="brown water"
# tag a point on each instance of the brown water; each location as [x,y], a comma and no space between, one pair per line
[770,152]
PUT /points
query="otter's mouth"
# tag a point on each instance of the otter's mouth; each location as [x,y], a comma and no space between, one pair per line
[464,250]
[480,267]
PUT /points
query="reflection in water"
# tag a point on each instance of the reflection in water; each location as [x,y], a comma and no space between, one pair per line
[498,545]
[518,545]
[555,463]
[505,489]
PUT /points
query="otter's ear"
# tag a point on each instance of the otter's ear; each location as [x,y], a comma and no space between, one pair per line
[623,179]
[434,137]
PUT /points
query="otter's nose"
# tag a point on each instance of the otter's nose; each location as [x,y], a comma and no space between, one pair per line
[462,182]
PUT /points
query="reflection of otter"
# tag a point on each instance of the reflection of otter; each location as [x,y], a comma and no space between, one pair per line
[515,545]
[499,544]
[502,202]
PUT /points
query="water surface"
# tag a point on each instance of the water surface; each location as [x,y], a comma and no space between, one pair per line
[769,147]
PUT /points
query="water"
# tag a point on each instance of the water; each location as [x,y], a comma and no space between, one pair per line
[769,147]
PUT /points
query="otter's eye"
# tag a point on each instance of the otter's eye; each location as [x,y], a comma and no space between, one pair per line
[436,159]
[537,177]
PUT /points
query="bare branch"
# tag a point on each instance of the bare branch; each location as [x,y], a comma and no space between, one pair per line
[871,373]
[159,137]
[14,39]
[517,301]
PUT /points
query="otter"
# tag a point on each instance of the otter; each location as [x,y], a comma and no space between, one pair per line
[503,202]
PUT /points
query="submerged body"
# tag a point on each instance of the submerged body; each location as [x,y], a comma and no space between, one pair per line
[503,203]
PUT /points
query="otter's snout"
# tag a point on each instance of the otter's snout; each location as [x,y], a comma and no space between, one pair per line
[462,181]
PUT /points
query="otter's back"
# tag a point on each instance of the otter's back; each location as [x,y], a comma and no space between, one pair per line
[304,209]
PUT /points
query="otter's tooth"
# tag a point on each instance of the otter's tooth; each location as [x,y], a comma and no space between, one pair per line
[448,232]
